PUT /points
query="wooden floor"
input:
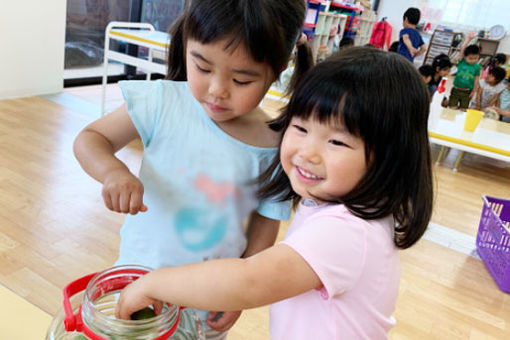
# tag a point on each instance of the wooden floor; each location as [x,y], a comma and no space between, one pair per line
[54,228]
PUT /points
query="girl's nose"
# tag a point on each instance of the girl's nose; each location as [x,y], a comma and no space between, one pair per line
[310,153]
[218,89]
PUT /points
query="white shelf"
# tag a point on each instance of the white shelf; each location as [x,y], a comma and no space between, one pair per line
[323,41]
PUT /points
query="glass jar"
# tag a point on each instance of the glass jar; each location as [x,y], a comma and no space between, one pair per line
[89,312]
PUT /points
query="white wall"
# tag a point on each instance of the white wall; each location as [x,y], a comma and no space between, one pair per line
[504,44]
[32,42]
[394,11]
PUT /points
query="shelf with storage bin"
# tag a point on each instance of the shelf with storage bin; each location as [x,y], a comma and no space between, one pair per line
[441,42]
[364,31]
[488,47]
[313,8]
[340,8]
[328,26]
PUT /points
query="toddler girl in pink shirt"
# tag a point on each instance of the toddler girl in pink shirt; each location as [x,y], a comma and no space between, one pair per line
[355,158]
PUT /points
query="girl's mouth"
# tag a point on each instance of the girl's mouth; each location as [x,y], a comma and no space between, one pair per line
[216,108]
[306,176]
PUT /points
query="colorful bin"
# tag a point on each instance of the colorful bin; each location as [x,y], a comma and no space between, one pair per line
[493,239]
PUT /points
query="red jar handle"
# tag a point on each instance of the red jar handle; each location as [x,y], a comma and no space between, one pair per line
[74,322]
[71,321]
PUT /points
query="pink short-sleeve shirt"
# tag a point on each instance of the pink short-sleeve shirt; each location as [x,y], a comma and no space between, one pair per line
[359,267]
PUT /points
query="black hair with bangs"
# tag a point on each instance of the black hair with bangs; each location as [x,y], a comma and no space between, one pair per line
[441,62]
[269,29]
[381,98]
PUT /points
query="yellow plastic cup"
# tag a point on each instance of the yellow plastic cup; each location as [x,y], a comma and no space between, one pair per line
[473,118]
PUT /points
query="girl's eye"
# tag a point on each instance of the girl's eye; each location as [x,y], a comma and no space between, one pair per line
[337,142]
[299,128]
[238,82]
[203,70]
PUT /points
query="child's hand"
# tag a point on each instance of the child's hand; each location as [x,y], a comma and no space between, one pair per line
[222,321]
[413,51]
[132,299]
[123,192]
[471,35]
[495,108]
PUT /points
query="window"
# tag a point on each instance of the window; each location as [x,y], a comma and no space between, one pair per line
[475,13]
[85,25]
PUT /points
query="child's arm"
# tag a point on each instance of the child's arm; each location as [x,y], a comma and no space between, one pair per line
[476,91]
[493,100]
[413,51]
[261,234]
[422,50]
[95,148]
[465,44]
[501,111]
[231,284]
[478,98]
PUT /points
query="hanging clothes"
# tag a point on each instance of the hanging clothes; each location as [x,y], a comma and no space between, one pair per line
[381,34]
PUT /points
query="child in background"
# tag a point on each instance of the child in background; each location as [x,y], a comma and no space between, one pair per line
[411,43]
[426,71]
[336,275]
[465,83]
[441,65]
[489,89]
[393,47]
[502,106]
[205,140]
[346,42]
[498,60]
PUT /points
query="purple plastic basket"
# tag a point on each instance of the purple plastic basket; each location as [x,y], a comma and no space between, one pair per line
[493,239]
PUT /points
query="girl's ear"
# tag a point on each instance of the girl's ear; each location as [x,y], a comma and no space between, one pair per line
[284,67]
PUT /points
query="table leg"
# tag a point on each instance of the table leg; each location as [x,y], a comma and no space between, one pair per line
[441,154]
[457,162]
[150,61]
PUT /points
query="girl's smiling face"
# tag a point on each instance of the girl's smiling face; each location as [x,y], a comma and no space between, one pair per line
[227,82]
[323,161]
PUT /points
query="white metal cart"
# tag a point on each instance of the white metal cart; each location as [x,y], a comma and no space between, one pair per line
[140,34]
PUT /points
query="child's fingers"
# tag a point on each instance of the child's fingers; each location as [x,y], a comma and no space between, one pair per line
[124,202]
[136,203]
[222,321]
[107,201]
[120,309]
[114,199]
[158,307]
[214,316]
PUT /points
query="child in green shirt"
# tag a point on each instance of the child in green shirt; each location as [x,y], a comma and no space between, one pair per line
[465,83]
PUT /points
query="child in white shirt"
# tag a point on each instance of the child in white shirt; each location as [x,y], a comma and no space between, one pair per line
[489,89]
